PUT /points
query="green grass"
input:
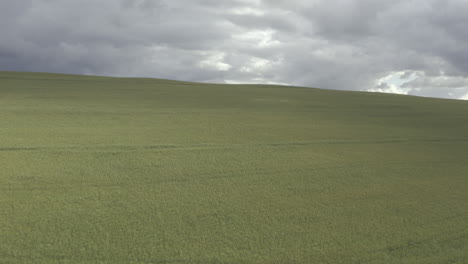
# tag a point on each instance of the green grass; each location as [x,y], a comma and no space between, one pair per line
[114,170]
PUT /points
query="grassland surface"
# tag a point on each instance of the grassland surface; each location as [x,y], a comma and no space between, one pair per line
[129,170]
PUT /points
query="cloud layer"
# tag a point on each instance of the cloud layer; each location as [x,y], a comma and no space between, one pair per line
[413,47]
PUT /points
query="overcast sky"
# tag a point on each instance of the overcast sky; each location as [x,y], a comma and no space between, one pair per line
[417,47]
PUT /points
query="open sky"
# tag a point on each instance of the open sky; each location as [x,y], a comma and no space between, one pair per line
[417,47]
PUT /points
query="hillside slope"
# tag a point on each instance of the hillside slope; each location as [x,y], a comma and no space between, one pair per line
[133,170]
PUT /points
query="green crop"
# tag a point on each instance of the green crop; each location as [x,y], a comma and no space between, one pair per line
[131,170]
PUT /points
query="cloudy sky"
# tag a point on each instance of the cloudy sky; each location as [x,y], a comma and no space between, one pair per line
[417,47]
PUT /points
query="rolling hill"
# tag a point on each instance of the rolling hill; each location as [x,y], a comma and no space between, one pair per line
[135,170]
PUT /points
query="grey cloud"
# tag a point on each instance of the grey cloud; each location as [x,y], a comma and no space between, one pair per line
[336,44]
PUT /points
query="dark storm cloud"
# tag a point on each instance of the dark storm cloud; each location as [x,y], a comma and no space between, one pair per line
[413,47]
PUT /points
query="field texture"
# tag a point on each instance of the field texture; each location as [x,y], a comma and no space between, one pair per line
[109,170]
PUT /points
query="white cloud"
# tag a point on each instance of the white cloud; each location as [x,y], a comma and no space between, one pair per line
[419,83]
[247,11]
[257,65]
[215,61]
[258,38]
[393,83]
